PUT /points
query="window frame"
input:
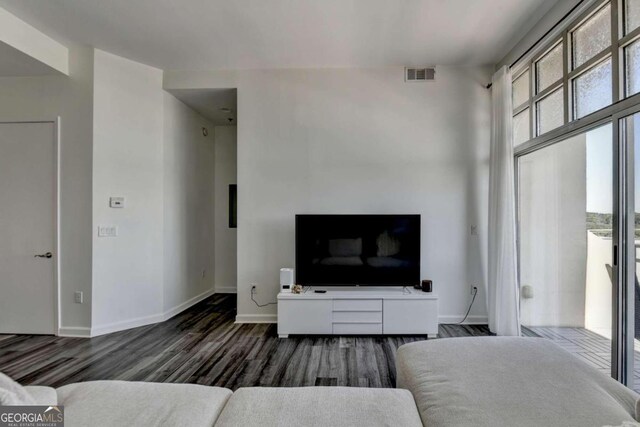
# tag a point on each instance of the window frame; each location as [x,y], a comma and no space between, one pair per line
[573,79]
[623,23]
[538,101]
[564,37]
[610,52]
[539,58]
[527,104]
[621,106]
[539,96]
[590,13]
[625,42]
[519,108]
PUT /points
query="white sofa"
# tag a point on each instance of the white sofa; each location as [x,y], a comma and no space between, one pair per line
[509,381]
[319,406]
[484,381]
[120,404]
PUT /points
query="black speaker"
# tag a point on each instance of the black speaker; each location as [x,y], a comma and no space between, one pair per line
[427,286]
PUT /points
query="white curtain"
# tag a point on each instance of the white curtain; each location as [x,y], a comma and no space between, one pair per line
[504,312]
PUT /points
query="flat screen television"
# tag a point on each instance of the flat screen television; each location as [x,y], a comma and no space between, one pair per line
[348,250]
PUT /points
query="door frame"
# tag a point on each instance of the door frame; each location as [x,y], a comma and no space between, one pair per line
[622,339]
[56,214]
[626,205]
[620,369]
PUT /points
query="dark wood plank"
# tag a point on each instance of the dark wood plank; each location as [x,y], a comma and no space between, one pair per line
[203,345]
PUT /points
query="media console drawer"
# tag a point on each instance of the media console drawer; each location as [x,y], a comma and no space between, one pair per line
[357,305]
[357,328]
[410,317]
[357,317]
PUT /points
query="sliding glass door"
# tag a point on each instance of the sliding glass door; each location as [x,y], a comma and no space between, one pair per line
[579,244]
[629,298]
[566,219]
[576,136]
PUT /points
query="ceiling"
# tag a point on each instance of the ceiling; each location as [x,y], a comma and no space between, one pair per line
[14,63]
[240,34]
[209,102]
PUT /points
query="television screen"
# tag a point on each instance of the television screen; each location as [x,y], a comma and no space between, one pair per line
[358,250]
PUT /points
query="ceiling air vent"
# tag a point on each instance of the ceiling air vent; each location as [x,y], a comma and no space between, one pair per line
[425,74]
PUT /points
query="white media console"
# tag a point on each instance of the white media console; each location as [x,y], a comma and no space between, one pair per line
[358,311]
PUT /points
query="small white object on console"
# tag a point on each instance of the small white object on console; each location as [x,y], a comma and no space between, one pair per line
[286,279]
[352,310]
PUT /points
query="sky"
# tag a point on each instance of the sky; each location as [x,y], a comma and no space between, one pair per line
[600,169]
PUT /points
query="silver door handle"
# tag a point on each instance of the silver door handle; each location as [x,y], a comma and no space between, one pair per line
[47,255]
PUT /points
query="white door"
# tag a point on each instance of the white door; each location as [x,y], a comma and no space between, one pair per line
[27,227]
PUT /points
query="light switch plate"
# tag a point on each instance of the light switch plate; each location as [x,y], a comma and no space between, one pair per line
[116,202]
[107,231]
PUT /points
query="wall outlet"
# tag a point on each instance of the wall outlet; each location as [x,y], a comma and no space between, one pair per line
[254,289]
[526,291]
[107,231]
[204,273]
[473,289]
[116,202]
[474,230]
[78,297]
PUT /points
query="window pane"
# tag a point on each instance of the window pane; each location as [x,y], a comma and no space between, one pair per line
[521,127]
[631,15]
[520,92]
[592,37]
[550,112]
[632,68]
[592,90]
[549,68]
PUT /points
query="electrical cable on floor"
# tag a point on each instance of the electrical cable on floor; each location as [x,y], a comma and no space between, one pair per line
[257,303]
[475,288]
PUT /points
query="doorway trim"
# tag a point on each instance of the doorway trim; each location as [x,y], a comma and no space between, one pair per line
[626,284]
[56,214]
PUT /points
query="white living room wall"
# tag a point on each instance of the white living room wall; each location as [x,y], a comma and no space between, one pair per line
[188,206]
[226,238]
[359,141]
[127,162]
[70,98]
[150,149]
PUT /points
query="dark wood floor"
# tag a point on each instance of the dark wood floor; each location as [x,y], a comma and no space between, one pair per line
[203,345]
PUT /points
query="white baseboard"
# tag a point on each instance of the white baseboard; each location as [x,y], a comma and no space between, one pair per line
[126,324]
[257,318]
[148,320]
[226,290]
[471,320]
[74,332]
[190,302]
